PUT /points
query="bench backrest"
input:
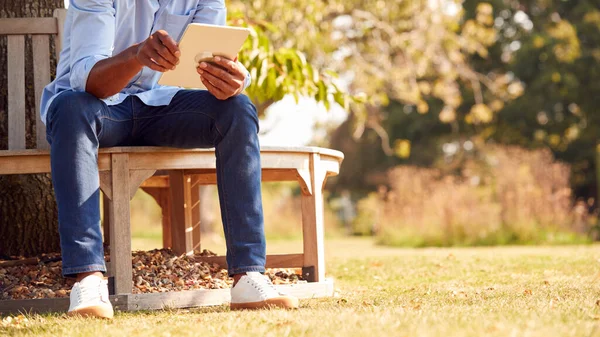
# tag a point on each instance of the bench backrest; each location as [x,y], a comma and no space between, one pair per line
[40,30]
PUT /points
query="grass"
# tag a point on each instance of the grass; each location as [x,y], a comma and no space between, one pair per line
[382,291]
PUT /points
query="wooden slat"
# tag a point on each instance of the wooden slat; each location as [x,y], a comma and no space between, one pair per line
[312,222]
[46,305]
[120,230]
[172,160]
[310,290]
[195,211]
[157,301]
[41,77]
[24,153]
[212,297]
[181,216]
[154,149]
[37,162]
[273,261]
[263,149]
[205,178]
[179,299]
[22,26]
[24,164]
[16,92]
[180,160]
[209,177]
[156,181]
[61,16]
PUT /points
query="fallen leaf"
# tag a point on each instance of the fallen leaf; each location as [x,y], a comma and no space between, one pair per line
[376,264]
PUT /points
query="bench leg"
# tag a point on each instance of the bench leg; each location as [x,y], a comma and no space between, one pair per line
[312,222]
[162,197]
[120,230]
[185,229]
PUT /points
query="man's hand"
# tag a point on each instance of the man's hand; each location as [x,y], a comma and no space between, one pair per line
[158,52]
[225,78]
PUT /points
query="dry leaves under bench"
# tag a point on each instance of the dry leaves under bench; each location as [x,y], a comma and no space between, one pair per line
[158,270]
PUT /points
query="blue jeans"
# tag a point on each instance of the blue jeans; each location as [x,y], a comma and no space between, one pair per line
[79,123]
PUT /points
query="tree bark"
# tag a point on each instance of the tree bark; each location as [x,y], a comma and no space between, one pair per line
[28,214]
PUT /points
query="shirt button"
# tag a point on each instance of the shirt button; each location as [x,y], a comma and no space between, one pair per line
[138,82]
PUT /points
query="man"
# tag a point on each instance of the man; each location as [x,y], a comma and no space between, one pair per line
[106,94]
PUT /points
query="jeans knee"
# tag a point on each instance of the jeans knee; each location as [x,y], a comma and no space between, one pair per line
[72,109]
[240,112]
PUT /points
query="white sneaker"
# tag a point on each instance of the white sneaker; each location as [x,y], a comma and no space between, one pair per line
[255,291]
[89,297]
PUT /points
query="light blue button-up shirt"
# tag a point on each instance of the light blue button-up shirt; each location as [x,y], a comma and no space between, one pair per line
[98,29]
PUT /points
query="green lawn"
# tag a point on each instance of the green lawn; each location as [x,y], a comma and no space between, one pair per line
[508,291]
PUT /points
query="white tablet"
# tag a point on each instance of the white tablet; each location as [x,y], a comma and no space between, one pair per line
[200,42]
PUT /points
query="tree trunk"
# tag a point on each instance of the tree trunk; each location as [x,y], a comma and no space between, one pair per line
[28,214]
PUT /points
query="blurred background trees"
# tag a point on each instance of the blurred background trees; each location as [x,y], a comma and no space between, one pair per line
[435,83]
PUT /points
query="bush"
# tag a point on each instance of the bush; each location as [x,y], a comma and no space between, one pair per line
[365,222]
[505,195]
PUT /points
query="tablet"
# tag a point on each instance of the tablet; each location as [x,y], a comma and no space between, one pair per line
[201,42]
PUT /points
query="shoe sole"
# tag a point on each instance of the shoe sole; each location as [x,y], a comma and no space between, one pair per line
[283,302]
[97,311]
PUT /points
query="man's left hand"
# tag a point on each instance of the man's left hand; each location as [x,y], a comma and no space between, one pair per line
[224,79]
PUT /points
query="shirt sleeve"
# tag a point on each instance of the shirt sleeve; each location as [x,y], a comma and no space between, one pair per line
[248,79]
[92,38]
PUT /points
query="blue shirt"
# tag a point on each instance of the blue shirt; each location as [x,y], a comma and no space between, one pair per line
[98,29]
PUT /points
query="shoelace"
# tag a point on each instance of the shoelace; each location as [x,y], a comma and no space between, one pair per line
[262,284]
[88,291]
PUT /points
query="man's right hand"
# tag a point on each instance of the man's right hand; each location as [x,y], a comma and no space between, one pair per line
[158,52]
[109,76]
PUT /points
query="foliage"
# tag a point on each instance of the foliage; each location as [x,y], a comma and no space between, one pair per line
[501,195]
[552,47]
[281,71]
[367,209]
[545,55]
[410,51]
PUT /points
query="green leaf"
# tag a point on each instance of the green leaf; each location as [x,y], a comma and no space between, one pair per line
[331,73]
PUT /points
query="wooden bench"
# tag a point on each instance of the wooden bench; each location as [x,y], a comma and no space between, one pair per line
[174,178]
